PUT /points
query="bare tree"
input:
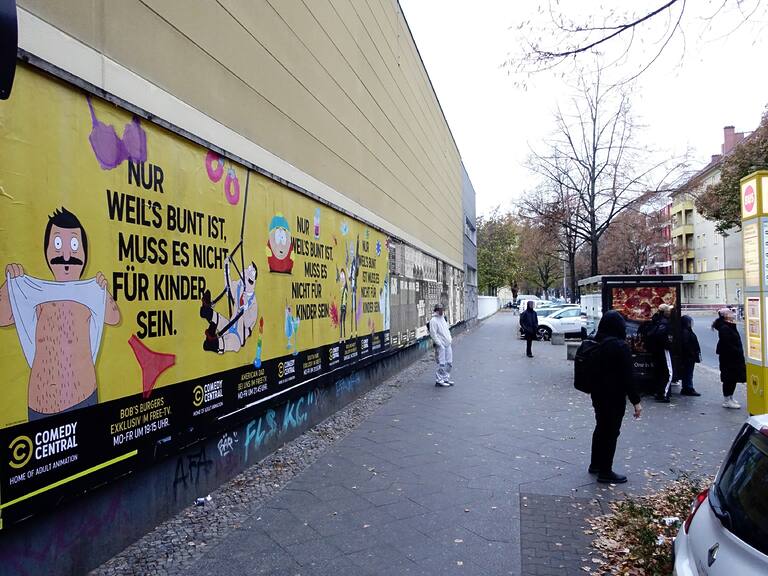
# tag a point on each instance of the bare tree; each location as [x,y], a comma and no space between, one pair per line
[556,207]
[557,33]
[593,155]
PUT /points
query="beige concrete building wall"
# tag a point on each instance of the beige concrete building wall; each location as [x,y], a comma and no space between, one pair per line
[336,88]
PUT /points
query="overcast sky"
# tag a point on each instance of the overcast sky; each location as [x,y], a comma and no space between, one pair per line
[684,100]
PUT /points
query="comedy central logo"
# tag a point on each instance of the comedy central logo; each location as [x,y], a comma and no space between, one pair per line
[21,451]
[280,370]
[198,395]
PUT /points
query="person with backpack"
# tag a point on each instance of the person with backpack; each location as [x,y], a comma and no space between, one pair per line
[690,354]
[613,384]
[733,369]
[529,322]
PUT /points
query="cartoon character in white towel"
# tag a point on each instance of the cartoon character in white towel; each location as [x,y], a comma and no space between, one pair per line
[60,322]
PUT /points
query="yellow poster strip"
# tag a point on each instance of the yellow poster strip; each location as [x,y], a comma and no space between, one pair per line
[71,478]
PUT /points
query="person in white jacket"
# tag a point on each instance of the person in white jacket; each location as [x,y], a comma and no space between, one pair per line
[441,338]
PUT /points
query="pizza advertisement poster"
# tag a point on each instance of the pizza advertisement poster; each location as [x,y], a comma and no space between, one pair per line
[641,303]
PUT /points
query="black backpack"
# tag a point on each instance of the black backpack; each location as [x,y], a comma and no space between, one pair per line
[586,370]
[654,337]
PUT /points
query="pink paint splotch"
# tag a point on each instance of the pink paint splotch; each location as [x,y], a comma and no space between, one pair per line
[334,314]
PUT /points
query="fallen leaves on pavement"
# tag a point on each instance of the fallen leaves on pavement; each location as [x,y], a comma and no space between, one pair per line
[636,538]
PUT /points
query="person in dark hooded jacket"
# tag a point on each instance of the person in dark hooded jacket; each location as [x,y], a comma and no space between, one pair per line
[660,345]
[609,397]
[529,322]
[690,354]
[733,369]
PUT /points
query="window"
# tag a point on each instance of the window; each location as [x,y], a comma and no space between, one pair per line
[704,265]
[714,240]
[571,313]
[470,231]
[717,291]
[471,276]
[706,290]
[739,494]
[700,291]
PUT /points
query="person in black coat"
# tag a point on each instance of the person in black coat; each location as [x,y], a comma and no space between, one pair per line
[733,369]
[609,397]
[690,354]
[660,346]
[529,322]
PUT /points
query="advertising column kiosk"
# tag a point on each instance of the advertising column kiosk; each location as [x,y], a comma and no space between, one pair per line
[754,225]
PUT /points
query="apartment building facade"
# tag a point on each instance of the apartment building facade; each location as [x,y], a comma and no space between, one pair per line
[711,261]
[660,253]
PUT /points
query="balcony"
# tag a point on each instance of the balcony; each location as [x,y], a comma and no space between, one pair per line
[681,207]
[682,230]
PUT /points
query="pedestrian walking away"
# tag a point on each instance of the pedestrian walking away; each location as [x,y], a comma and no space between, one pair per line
[733,369]
[609,395]
[529,322]
[441,340]
[690,355]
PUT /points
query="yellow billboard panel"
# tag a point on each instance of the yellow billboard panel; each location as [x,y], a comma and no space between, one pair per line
[130,254]
[151,285]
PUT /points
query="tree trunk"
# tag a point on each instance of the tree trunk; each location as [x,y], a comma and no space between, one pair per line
[594,250]
[572,268]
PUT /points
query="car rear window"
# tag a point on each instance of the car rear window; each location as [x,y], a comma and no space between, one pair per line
[743,489]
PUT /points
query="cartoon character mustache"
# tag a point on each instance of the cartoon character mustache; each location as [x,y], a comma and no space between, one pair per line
[73,261]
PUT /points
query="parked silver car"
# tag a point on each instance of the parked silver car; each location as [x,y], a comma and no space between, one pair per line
[727,529]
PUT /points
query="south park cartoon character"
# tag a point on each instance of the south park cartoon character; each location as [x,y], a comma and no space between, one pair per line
[279,246]
[229,334]
[59,322]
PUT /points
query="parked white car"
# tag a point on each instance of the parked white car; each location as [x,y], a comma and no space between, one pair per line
[545,311]
[727,529]
[568,321]
[522,300]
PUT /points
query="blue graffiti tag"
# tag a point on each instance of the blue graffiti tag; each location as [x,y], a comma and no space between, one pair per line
[347,385]
[258,431]
[295,413]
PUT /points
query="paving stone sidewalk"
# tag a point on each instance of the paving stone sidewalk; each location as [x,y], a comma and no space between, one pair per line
[486,477]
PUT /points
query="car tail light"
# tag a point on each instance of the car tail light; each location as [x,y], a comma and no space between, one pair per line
[700,497]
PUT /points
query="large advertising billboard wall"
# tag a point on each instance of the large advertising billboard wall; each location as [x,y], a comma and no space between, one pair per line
[152,289]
